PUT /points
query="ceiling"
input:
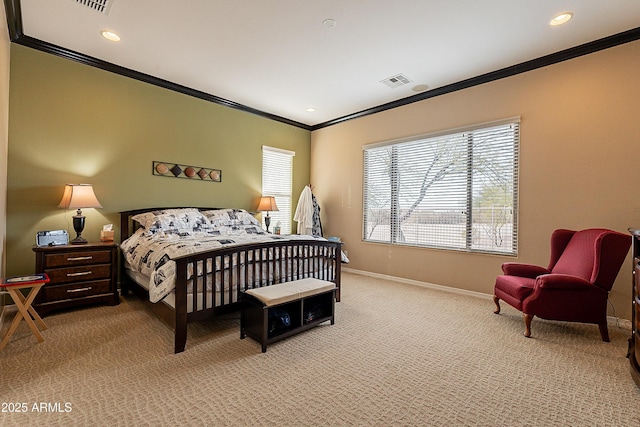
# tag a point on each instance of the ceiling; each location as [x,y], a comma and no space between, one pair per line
[280,57]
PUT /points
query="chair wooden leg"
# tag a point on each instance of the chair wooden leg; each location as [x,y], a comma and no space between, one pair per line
[604,331]
[496,300]
[527,324]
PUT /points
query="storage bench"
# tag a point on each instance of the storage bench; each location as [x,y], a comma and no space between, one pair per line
[275,312]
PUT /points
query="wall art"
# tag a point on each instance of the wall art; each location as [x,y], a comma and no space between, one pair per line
[175,170]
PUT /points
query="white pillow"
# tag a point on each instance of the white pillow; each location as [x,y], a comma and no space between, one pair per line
[230,218]
[185,220]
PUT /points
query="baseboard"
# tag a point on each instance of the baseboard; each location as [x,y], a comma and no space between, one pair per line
[611,320]
[621,323]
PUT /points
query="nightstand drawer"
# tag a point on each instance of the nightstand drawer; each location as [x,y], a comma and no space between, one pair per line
[67,259]
[79,274]
[76,290]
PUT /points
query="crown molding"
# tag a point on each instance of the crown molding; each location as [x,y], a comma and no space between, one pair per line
[554,58]
[14,22]
[16,34]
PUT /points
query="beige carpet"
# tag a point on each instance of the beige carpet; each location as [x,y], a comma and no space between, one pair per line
[398,355]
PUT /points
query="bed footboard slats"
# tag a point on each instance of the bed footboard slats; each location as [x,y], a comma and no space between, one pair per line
[211,282]
[215,279]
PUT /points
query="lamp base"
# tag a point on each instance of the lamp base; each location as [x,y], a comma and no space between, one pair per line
[79,240]
[78,226]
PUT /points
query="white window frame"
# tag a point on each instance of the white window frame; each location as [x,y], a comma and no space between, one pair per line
[277,181]
[454,190]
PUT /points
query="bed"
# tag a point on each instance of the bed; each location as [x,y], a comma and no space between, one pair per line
[191,264]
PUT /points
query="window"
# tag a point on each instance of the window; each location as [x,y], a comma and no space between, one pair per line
[451,190]
[277,177]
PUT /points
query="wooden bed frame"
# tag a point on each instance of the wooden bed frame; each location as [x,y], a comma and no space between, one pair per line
[313,258]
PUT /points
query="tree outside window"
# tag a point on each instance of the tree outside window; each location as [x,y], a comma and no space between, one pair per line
[455,190]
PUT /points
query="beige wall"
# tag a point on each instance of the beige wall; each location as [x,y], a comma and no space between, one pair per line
[580,135]
[72,123]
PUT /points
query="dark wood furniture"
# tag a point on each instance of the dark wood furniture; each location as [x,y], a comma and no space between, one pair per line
[80,275]
[320,259]
[303,307]
[634,341]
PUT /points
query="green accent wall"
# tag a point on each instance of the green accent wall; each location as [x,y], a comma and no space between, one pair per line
[72,123]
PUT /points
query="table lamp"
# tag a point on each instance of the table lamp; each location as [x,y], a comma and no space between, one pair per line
[267,203]
[79,196]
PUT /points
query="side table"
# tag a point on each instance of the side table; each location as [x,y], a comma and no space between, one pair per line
[80,275]
[25,310]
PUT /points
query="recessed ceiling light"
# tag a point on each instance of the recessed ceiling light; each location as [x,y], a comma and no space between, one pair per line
[561,18]
[310,109]
[110,35]
[329,23]
[420,88]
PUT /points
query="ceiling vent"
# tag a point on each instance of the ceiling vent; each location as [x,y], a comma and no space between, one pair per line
[396,81]
[102,6]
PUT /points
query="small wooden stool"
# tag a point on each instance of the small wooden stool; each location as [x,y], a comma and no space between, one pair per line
[25,311]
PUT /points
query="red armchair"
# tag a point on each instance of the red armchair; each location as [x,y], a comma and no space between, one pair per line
[575,287]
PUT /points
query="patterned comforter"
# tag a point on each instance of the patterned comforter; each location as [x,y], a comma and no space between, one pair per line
[151,254]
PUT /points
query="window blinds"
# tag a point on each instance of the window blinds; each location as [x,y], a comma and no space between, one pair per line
[452,190]
[277,177]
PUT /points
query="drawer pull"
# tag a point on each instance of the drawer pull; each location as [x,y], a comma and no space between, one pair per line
[84,273]
[79,289]
[80,258]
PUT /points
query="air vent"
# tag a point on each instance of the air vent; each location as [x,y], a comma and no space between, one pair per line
[101,6]
[396,81]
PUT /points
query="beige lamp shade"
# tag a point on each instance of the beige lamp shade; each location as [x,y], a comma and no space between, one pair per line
[267,203]
[79,196]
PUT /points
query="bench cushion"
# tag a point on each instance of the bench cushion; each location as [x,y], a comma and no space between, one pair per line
[290,291]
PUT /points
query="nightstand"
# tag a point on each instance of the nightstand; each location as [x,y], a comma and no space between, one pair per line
[79,275]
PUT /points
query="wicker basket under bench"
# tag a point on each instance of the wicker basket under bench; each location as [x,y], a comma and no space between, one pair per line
[305,303]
